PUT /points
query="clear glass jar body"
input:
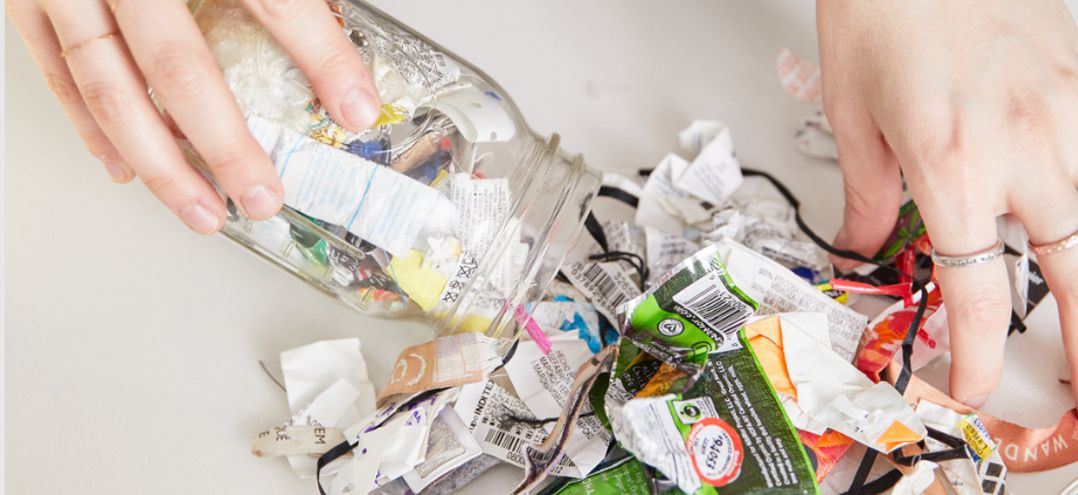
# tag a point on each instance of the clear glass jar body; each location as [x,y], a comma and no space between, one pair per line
[518,201]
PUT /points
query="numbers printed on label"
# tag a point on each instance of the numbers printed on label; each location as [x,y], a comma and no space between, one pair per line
[716,451]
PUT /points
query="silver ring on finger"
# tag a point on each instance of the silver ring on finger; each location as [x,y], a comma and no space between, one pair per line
[978,258]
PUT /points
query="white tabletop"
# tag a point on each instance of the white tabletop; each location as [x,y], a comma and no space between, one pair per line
[133,344]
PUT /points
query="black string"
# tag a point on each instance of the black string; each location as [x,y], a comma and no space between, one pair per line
[632,258]
[620,195]
[595,228]
[880,485]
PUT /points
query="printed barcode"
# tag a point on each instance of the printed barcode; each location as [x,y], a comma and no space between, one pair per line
[505,440]
[603,285]
[714,305]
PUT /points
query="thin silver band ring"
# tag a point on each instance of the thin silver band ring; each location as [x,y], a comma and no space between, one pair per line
[977,258]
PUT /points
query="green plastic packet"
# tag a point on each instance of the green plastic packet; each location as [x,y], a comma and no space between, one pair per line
[727,432]
[627,477]
[695,312]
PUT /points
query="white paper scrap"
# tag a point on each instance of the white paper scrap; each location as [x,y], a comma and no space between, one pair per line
[715,173]
[660,183]
[917,481]
[311,369]
[834,393]
[327,385]
[490,412]
[483,205]
[358,475]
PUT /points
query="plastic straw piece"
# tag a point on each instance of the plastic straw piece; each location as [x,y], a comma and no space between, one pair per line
[534,331]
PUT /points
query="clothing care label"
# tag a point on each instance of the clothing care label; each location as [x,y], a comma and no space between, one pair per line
[377,204]
[500,421]
[483,205]
[443,362]
[545,381]
[778,290]
[607,285]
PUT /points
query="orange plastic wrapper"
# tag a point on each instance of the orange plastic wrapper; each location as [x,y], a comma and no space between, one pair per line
[880,342]
[827,448]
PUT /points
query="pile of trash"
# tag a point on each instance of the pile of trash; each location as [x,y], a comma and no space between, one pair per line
[702,344]
[696,341]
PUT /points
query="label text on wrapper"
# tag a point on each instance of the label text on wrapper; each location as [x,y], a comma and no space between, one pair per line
[716,451]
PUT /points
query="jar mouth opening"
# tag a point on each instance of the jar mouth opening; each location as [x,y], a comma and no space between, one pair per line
[550,243]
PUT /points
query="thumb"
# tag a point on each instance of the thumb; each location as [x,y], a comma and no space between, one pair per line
[872,185]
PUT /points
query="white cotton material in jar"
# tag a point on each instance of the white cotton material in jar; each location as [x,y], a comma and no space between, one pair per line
[263,78]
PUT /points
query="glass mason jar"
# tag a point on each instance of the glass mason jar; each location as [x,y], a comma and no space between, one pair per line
[498,207]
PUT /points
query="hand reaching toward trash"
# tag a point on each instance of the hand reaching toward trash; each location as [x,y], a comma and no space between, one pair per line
[99,56]
[975,105]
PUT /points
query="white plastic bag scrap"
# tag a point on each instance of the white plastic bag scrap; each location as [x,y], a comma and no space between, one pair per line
[645,427]
[834,394]
[327,385]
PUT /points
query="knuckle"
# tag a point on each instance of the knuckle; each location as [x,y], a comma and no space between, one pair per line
[97,143]
[176,70]
[279,10]
[163,186]
[229,162]
[64,88]
[1029,116]
[332,61]
[108,103]
[935,134]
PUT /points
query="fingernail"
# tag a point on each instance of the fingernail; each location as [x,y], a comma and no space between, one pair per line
[360,108]
[116,170]
[260,202]
[976,401]
[200,219]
